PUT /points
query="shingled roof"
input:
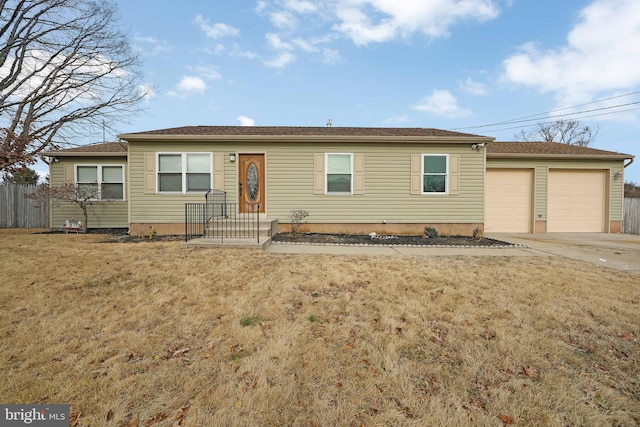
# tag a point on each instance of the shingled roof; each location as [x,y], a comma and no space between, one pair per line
[297,131]
[104,149]
[548,150]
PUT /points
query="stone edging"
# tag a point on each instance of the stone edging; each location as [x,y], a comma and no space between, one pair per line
[511,246]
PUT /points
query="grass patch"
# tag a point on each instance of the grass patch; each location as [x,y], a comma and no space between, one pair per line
[249,320]
[152,331]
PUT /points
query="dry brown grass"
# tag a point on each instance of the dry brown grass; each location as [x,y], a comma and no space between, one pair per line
[205,337]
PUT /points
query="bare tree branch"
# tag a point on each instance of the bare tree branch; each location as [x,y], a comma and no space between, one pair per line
[82,195]
[66,70]
[563,131]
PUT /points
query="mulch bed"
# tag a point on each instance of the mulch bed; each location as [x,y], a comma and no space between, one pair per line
[384,240]
[121,236]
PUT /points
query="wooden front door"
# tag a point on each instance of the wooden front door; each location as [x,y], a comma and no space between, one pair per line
[251,183]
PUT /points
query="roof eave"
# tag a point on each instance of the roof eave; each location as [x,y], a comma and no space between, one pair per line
[84,154]
[303,138]
[559,156]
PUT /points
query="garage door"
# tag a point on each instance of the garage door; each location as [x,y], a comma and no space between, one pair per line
[508,201]
[576,201]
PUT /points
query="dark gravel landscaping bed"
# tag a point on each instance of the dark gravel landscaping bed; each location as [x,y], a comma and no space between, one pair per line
[386,240]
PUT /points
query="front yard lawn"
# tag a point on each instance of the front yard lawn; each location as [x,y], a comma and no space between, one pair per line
[156,334]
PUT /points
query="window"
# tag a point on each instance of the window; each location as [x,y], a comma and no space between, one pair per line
[339,173]
[107,181]
[434,173]
[184,172]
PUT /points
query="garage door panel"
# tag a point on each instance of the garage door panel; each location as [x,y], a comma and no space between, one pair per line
[576,201]
[508,200]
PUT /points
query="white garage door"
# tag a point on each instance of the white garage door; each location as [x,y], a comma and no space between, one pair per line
[575,201]
[508,200]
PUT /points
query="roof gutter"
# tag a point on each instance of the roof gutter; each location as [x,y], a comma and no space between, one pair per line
[303,138]
[84,153]
[559,156]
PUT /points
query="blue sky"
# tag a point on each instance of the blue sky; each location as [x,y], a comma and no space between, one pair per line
[448,64]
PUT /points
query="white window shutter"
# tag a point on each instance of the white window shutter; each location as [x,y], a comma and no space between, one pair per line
[358,173]
[149,173]
[416,174]
[218,171]
[454,174]
[318,173]
[69,175]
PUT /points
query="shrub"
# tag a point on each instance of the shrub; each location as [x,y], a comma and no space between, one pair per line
[478,233]
[297,217]
[430,233]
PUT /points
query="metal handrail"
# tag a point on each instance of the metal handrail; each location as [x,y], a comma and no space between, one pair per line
[222,220]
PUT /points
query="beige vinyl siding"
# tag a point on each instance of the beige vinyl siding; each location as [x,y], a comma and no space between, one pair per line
[107,214]
[290,184]
[615,186]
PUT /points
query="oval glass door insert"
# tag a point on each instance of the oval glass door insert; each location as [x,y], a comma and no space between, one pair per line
[252,181]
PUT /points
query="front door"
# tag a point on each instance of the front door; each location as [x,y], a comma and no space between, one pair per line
[251,183]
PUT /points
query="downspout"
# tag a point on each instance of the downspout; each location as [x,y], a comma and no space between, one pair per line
[630,162]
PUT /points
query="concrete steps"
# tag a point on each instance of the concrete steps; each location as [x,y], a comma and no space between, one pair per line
[236,233]
[210,242]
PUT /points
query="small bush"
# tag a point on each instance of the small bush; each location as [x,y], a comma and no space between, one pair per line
[297,217]
[478,233]
[430,233]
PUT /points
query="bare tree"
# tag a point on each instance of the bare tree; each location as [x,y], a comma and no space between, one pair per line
[66,70]
[83,195]
[564,131]
[631,189]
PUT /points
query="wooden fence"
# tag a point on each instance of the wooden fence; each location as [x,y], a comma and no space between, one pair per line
[631,221]
[19,211]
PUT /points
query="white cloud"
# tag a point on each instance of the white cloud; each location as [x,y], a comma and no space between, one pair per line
[191,84]
[260,6]
[283,19]
[602,55]
[276,43]
[246,121]
[156,46]
[331,56]
[217,30]
[209,73]
[281,61]
[442,103]
[366,21]
[284,57]
[300,6]
[148,91]
[473,87]
[305,45]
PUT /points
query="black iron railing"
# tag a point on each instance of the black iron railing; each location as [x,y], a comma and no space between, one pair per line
[218,219]
[194,220]
[233,221]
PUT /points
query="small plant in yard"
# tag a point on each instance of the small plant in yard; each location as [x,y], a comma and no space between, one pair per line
[313,318]
[152,232]
[478,233]
[430,233]
[297,217]
[249,320]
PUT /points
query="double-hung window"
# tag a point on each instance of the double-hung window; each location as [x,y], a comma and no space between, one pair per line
[102,182]
[184,172]
[339,173]
[435,173]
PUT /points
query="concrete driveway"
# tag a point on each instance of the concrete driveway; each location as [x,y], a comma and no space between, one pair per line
[620,251]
